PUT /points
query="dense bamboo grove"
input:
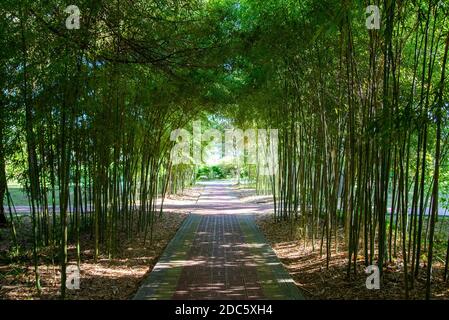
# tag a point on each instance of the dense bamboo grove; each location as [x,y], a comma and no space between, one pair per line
[363,125]
[86,117]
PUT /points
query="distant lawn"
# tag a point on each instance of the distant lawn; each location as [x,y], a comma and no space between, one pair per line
[18,195]
[20,198]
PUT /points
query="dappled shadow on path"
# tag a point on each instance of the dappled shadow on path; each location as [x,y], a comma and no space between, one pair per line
[219,253]
[219,256]
[226,268]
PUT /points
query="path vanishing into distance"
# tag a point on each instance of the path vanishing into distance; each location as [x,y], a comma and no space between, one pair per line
[219,253]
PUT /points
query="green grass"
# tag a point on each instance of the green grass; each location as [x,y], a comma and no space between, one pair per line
[18,194]
[20,198]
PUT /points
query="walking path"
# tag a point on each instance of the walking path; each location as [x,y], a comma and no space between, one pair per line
[219,253]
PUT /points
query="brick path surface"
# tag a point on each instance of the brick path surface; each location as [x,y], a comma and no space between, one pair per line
[218,253]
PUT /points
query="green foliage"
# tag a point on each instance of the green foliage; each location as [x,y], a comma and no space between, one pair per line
[204,172]
[87,115]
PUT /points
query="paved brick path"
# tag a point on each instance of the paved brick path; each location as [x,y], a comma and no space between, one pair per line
[218,255]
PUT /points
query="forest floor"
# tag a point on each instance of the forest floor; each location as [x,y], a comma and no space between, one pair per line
[308,267]
[117,278]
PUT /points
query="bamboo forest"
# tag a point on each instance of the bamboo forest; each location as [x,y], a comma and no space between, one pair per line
[224,149]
